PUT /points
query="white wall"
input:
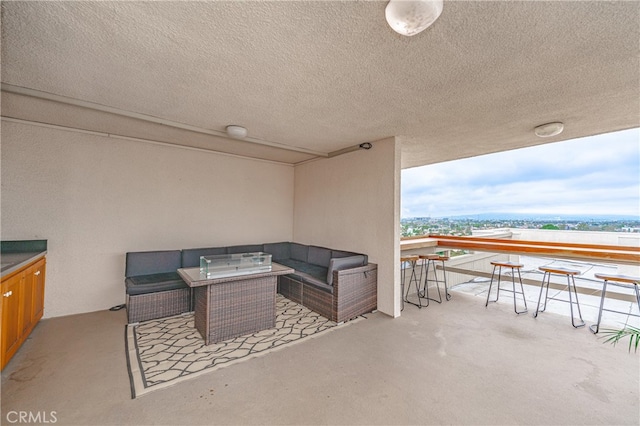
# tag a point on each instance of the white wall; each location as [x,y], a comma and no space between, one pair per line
[352,202]
[95,198]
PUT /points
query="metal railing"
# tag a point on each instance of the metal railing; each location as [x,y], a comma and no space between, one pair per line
[477,265]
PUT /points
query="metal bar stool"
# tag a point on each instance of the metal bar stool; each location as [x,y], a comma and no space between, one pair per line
[411,261]
[570,274]
[430,260]
[443,259]
[620,281]
[514,267]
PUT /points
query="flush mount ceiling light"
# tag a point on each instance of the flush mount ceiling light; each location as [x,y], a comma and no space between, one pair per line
[409,17]
[549,129]
[236,132]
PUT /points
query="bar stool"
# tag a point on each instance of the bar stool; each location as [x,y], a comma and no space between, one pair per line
[406,262]
[431,260]
[620,281]
[570,274]
[514,267]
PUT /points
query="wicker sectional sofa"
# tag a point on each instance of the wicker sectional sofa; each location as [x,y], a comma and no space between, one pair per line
[337,284]
[153,287]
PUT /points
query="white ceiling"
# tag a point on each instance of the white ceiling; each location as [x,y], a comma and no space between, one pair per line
[310,78]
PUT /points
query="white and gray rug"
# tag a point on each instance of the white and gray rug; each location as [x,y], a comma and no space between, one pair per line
[167,351]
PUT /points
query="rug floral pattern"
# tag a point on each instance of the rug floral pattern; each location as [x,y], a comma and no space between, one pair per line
[167,351]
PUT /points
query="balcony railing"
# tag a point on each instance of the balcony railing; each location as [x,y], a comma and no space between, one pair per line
[477,265]
[602,253]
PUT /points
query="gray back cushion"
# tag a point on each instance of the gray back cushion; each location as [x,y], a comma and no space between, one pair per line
[319,256]
[340,263]
[341,253]
[152,262]
[191,257]
[278,250]
[299,252]
[248,248]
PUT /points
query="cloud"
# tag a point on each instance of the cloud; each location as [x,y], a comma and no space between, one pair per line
[593,175]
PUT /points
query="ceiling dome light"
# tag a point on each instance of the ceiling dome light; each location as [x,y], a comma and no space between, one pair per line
[549,129]
[409,17]
[236,132]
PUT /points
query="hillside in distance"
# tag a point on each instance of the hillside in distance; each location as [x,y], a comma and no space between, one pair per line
[542,217]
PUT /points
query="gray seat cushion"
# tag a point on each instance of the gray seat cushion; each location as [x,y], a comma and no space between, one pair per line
[303,270]
[153,283]
[314,282]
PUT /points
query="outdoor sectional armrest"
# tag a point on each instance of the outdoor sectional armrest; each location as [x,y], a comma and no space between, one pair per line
[355,291]
[341,263]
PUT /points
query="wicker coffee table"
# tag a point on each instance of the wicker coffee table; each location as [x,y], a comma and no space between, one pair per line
[228,307]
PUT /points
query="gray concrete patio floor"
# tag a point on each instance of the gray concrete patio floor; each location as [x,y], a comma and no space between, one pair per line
[453,363]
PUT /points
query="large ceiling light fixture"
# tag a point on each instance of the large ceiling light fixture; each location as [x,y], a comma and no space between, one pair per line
[409,17]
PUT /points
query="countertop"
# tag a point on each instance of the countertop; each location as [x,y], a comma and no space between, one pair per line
[15,255]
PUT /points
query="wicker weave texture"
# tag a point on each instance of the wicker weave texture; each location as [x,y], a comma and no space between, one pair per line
[144,307]
[290,288]
[318,301]
[201,310]
[355,292]
[239,307]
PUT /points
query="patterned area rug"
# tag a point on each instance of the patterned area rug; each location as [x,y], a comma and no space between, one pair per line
[164,352]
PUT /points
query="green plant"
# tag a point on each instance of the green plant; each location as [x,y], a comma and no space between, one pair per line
[614,336]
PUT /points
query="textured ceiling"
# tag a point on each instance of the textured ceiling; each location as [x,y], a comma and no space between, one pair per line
[314,77]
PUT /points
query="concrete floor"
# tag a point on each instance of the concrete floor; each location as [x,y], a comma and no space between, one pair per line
[455,363]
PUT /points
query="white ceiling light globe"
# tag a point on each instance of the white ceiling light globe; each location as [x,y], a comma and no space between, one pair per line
[236,132]
[549,129]
[409,17]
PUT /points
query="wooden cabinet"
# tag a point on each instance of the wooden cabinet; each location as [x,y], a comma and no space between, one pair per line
[11,315]
[38,291]
[21,308]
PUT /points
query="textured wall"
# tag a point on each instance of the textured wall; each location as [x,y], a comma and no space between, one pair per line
[352,202]
[95,198]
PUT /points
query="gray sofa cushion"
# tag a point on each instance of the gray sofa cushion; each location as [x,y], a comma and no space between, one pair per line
[191,257]
[305,268]
[314,282]
[338,264]
[299,252]
[143,284]
[290,263]
[319,256]
[308,274]
[152,262]
[341,253]
[278,250]
[247,248]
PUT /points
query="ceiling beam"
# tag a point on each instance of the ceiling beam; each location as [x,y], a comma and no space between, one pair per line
[148,118]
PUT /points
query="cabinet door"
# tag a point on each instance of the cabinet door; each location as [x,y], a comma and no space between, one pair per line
[11,315]
[38,291]
[26,311]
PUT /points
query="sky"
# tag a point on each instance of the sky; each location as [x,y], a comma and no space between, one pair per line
[594,175]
